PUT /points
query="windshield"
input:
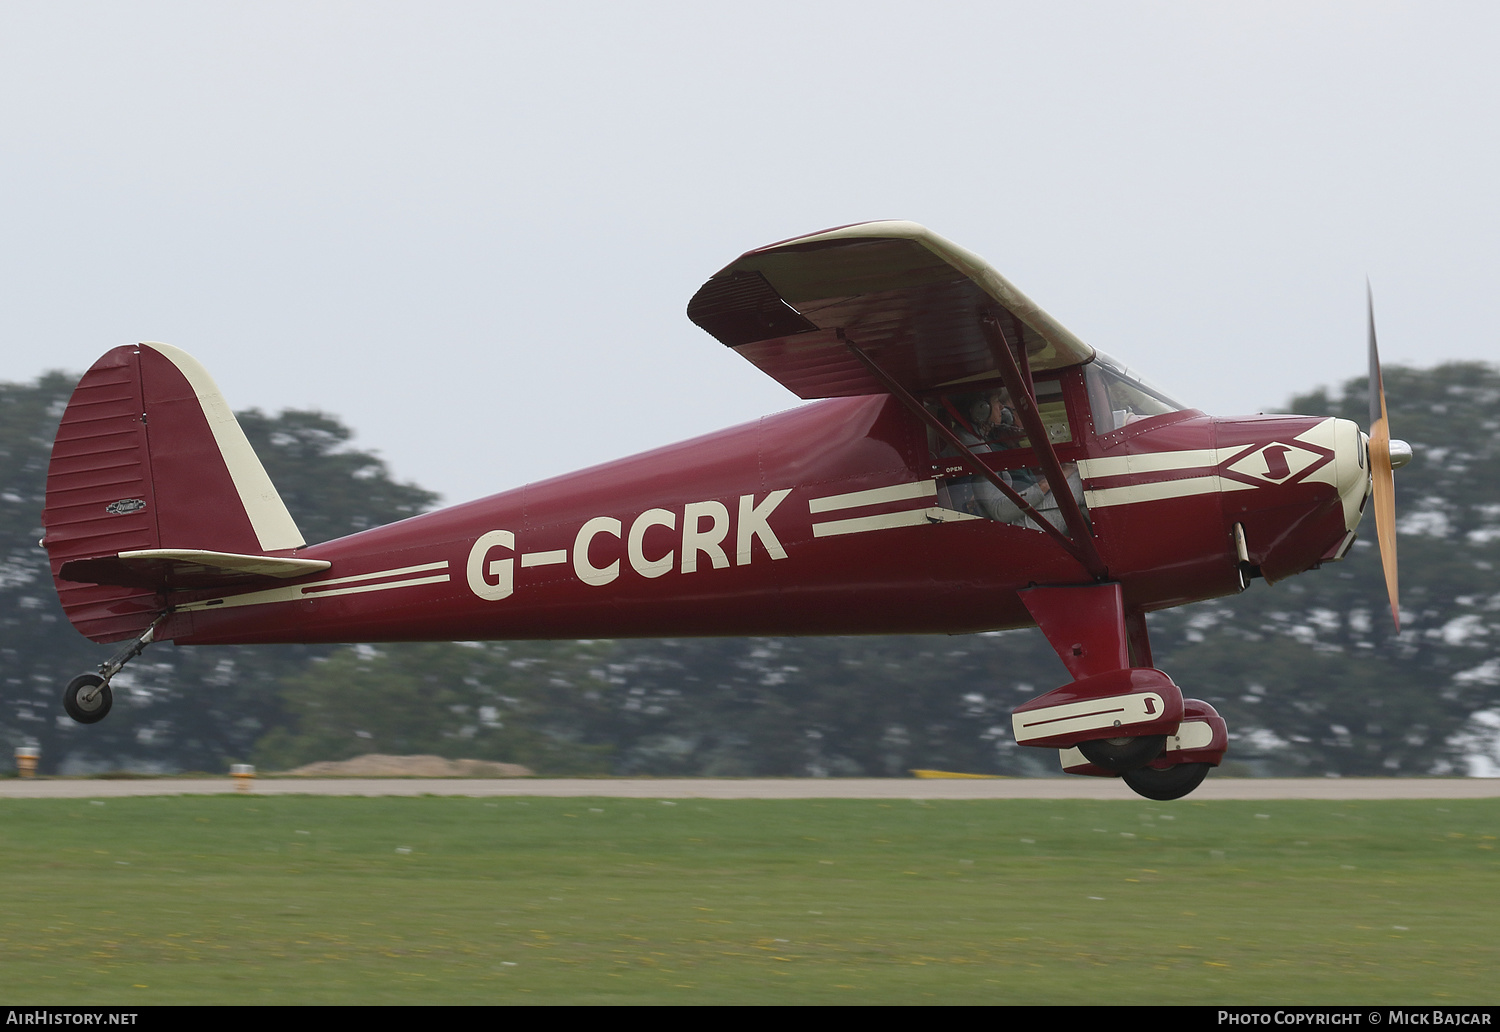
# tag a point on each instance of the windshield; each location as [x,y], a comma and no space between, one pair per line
[1119,396]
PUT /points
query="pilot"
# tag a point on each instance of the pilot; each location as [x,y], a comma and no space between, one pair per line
[987,423]
[1048,508]
[994,422]
[990,426]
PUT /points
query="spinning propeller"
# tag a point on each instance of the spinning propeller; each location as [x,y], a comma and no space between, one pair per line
[1385,455]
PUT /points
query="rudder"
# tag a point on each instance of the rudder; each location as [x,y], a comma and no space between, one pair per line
[149,456]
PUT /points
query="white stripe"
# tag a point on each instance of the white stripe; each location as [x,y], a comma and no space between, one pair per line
[293,593]
[860,524]
[356,589]
[887,520]
[874,496]
[1148,462]
[552,558]
[1087,715]
[1160,490]
[1154,492]
[380,573]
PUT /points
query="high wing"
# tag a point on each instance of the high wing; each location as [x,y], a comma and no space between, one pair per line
[910,299]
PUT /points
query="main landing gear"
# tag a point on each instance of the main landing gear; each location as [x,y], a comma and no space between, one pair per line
[87,698]
[1171,772]
[1120,717]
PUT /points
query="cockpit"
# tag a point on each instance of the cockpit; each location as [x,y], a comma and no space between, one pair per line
[984,420]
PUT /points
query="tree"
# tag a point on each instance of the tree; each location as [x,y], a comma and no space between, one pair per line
[175,709]
[525,702]
[36,641]
[794,707]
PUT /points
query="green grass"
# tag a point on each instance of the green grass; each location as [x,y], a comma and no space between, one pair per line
[244,899]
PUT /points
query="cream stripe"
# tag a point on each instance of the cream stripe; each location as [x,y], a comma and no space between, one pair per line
[295,592]
[1160,490]
[1147,462]
[1087,715]
[874,496]
[860,524]
[356,589]
[380,573]
[887,520]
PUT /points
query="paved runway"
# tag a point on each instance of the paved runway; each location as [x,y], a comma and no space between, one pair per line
[762,788]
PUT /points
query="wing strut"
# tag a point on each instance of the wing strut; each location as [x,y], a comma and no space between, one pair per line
[1015,370]
[976,464]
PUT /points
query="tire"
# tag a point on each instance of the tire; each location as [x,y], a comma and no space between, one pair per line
[1171,783]
[1122,754]
[87,711]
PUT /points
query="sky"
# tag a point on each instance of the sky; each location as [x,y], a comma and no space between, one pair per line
[470,230]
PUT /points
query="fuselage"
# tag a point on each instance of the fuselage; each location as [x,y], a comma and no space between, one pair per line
[838,517]
[966,464]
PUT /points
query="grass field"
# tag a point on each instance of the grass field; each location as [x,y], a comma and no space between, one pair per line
[294,899]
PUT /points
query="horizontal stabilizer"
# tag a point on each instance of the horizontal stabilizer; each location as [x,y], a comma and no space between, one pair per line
[182,569]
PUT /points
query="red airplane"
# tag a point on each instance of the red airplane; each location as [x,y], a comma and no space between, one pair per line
[974,466]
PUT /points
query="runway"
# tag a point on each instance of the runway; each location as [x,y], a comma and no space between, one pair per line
[759,788]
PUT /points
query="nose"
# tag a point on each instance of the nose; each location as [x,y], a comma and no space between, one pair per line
[1351,469]
[1352,463]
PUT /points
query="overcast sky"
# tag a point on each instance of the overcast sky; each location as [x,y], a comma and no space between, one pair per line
[470,229]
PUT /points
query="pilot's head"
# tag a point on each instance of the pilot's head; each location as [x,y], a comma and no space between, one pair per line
[992,408]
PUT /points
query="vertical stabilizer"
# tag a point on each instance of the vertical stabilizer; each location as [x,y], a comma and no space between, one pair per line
[211,490]
[149,456]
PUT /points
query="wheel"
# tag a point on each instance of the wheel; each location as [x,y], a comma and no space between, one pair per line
[87,698]
[1122,754]
[1171,783]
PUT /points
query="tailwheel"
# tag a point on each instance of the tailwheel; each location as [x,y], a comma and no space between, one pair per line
[1123,754]
[1165,783]
[87,698]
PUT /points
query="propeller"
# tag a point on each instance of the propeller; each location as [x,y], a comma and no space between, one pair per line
[1382,481]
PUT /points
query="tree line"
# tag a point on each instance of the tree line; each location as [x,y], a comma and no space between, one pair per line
[1308,673]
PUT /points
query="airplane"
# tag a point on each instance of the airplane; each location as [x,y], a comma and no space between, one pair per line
[966,464]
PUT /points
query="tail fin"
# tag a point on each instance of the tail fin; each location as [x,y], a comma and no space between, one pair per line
[150,465]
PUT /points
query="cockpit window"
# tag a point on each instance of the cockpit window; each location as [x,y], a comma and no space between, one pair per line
[986,422]
[1118,396]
